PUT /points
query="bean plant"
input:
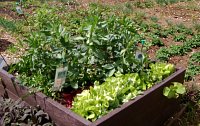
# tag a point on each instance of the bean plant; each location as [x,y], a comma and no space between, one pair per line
[101,45]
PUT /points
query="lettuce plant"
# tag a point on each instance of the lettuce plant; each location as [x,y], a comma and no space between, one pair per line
[118,89]
[174,90]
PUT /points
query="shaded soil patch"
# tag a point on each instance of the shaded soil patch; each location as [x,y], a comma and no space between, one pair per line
[4,44]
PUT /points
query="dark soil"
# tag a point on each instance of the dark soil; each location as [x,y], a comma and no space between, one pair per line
[4,44]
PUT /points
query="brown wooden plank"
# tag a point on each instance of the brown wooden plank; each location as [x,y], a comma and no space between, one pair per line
[16,89]
[152,108]
[7,79]
[28,97]
[59,113]
[1,90]
[11,95]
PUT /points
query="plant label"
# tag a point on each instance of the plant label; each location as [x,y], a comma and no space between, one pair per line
[143,42]
[19,10]
[139,55]
[2,63]
[60,78]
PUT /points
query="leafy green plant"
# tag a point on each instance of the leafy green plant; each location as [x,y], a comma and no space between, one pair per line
[155,26]
[163,54]
[195,58]
[163,34]
[180,38]
[174,90]
[102,98]
[16,113]
[156,41]
[181,28]
[144,27]
[43,18]
[9,25]
[194,67]
[176,50]
[193,42]
[95,49]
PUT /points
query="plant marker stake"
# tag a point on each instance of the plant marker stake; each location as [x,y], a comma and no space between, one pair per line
[60,77]
[138,54]
[19,10]
[143,42]
[21,3]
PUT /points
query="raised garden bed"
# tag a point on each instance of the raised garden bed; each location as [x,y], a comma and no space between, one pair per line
[151,108]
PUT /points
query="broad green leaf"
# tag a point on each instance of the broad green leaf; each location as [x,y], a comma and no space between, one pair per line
[91,116]
[180,88]
[108,66]
[111,72]
[172,94]
[166,91]
[74,85]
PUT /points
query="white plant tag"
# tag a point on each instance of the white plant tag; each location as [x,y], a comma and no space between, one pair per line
[19,10]
[139,55]
[2,63]
[60,77]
